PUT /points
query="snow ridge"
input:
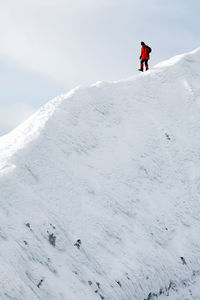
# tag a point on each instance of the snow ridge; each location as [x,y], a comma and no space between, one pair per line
[100,191]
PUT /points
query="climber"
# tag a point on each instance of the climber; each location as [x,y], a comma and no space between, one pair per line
[144,57]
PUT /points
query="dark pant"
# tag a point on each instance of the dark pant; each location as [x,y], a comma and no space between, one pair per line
[142,63]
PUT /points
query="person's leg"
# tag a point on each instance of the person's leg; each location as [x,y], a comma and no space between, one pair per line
[146,65]
[141,65]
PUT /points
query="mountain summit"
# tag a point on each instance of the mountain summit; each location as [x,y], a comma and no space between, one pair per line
[100,192]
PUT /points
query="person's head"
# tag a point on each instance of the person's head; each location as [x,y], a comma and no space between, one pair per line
[142,43]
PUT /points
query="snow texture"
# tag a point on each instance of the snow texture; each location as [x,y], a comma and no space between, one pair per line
[100,192]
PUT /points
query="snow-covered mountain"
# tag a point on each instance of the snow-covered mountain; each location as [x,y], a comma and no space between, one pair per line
[100,192]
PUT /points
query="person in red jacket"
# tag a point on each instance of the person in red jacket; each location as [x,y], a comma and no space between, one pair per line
[144,57]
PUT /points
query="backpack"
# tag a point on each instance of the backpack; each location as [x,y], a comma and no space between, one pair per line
[148,49]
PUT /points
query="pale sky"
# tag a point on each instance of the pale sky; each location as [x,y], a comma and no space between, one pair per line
[50,46]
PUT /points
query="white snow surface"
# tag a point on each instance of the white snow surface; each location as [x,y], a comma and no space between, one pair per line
[116,165]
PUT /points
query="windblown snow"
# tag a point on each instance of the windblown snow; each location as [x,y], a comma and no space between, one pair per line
[100,192]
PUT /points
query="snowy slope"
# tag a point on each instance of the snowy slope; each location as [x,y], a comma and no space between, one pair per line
[116,165]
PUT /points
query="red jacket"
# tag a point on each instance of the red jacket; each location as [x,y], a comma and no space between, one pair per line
[144,53]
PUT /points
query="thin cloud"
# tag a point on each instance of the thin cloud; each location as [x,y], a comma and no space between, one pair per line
[48,37]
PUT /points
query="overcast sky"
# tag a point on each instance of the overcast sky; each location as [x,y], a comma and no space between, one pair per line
[50,46]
